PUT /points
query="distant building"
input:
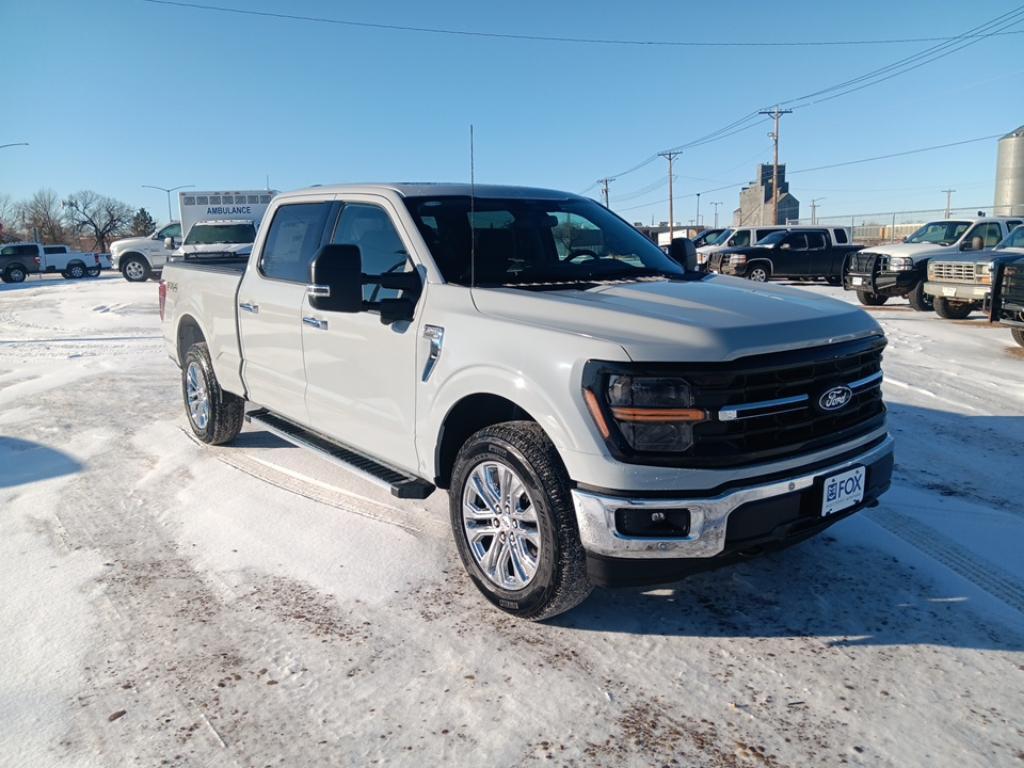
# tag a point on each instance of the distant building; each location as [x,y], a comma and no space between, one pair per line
[756,200]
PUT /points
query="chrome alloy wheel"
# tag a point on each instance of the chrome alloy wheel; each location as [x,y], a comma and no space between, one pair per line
[198,397]
[501,525]
[759,274]
[134,270]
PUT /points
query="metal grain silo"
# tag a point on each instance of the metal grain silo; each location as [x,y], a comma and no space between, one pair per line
[1010,174]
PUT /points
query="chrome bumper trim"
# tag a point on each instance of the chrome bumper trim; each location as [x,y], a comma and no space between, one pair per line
[595,514]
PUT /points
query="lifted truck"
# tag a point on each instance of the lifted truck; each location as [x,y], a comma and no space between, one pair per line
[883,271]
[598,412]
[800,253]
[1006,301]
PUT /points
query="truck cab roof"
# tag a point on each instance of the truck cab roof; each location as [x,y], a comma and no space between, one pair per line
[438,189]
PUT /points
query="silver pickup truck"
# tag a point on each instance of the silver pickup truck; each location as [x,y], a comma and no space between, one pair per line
[599,412]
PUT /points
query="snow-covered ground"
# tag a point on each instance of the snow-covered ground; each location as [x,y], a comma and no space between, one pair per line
[167,603]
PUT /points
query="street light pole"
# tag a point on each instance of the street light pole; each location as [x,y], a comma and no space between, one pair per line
[716,204]
[170,218]
[15,144]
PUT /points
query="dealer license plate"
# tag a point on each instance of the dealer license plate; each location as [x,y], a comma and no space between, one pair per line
[842,491]
[949,291]
[857,281]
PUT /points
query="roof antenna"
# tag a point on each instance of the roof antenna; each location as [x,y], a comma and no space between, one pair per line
[472,211]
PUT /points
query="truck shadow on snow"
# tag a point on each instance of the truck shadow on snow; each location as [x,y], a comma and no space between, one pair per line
[47,281]
[24,461]
[838,586]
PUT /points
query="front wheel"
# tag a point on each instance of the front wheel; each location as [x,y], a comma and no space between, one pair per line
[1018,335]
[758,273]
[919,300]
[871,299]
[951,310]
[214,415]
[514,524]
[135,269]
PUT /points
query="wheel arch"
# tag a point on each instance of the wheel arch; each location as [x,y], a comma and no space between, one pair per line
[189,332]
[764,261]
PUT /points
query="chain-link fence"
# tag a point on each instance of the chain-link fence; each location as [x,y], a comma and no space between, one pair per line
[893,226]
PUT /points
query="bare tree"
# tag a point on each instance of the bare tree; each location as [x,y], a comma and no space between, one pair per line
[41,214]
[101,217]
[9,223]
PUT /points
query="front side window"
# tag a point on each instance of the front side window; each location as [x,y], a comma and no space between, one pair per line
[797,241]
[546,242]
[221,234]
[293,240]
[761,234]
[940,232]
[171,230]
[989,233]
[19,250]
[382,250]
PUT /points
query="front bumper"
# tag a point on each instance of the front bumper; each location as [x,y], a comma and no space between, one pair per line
[971,292]
[723,528]
[884,283]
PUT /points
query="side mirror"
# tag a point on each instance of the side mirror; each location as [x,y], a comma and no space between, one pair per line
[337,274]
[169,243]
[785,247]
[683,252]
[974,244]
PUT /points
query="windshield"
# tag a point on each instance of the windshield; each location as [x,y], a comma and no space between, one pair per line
[221,234]
[940,232]
[707,237]
[520,241]
[1013,240]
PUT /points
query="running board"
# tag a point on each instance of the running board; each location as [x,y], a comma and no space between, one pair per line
[400,484]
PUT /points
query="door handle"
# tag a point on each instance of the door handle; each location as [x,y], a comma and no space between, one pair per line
[315,322]
[248,307]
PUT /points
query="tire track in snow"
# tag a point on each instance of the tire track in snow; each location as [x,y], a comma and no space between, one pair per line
[986,575]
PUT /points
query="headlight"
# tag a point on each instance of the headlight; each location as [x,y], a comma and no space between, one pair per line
[901,263]
[983,271]
[654,414]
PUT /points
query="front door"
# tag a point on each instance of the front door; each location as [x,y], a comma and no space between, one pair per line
[790,258]
[270,303]
[360,373]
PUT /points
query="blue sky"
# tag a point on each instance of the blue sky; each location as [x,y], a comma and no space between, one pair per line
[115,94]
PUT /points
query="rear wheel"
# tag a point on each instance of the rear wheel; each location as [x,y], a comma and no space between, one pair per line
[93,272]
[15,273]
[871,299]
[1018,335]
[135,269]
[951,310]
[759,273]
[214,415]
[74,271]
[514,523]
[920,300]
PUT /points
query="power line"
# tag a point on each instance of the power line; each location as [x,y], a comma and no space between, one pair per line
[554,38]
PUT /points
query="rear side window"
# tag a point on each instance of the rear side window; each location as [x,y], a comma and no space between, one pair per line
[293,240]
[52,249]
[840,236]
[816,240]
[797,241]
[381,248]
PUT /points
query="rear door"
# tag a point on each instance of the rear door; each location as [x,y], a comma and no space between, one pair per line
[360,373]
[818,255]
[270,299]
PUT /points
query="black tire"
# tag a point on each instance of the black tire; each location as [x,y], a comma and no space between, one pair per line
[75,271]
[871,299]
[15,273]
[952,310]
[1018,335]
[919,300]
[560,582]
[226,411]
[92,272]
[140,274]
[759,272]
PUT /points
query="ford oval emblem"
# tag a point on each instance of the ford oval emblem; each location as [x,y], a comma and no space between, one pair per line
[835,398]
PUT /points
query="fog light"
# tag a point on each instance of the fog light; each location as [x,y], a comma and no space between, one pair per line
[653,524]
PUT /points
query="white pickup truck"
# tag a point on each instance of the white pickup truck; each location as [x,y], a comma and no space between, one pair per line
[599,413]
[17,260]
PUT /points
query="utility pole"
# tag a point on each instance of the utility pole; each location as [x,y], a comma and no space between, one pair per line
[716,204]
[814,209]
[604,188]
[949,200]
[698,209]
[670,156]
[775,113]
[168,191]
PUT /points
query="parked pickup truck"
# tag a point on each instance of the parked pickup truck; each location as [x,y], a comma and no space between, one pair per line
[139,258]
[18,260]
[599,412]
[900,269]
[799,253]
[1006,302]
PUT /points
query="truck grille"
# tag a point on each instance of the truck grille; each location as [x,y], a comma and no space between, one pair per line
[953,271]
[1013,285]
[865,263]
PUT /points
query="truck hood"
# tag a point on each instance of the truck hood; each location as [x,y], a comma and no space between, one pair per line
[235,248]
[914,250]
[130,242]
[713,319]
